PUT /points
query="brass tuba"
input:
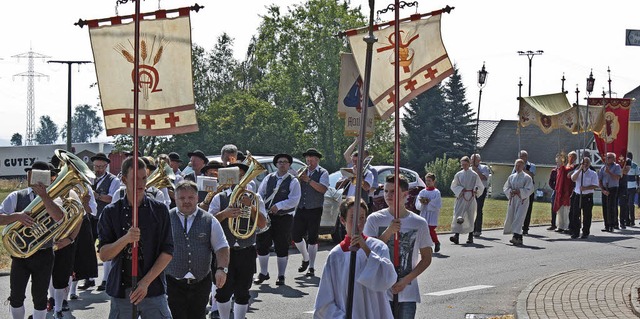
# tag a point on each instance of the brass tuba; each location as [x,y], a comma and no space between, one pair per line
[241,227]
[22,241]
[162,177]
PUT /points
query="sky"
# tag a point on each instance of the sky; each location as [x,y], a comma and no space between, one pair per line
[576,37]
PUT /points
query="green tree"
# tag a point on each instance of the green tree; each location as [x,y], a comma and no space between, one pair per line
[444,168]
[85,124]
[47,132]
[458,118]
[16,139]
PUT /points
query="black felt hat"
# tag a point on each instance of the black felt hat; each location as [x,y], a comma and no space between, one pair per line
[199,154]
[287,156]
[211,165]
[43,166]
[175,157]
[240,157]
[312,152]
[101,157]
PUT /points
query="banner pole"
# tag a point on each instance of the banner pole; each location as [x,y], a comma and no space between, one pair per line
[134,215]
[396,155]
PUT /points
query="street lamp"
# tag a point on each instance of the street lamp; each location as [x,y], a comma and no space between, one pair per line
[590,82]
[530,54]
[482,80]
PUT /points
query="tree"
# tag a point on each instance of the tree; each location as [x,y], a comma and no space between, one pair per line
[85,124]
[458,118]
[16,139]
[47,132]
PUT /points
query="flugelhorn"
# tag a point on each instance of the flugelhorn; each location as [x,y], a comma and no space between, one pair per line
[242,227]
[22,241]
[162,177]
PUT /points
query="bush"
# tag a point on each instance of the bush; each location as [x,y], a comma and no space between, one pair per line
[444,169]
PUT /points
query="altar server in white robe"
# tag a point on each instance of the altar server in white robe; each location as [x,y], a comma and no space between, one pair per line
[466,186]
[518,188]
[374,273]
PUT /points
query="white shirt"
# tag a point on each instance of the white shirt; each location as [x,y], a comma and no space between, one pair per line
[11,201]
[115,183]
[214,206]
[324,178]
[294,191]
[218,240]
[590,179]
[368,178]
[431,211]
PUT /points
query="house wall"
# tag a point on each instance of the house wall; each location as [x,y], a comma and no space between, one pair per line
[634,142]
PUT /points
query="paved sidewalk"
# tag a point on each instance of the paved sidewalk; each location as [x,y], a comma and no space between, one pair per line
[582,293]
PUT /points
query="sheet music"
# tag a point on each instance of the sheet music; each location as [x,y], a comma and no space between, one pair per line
[40,176]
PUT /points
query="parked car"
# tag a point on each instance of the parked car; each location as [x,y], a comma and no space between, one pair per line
[330,223]
[267,162]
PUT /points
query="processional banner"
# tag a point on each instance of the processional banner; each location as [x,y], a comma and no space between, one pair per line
[166,102]
[553,111]
[423,61]
[350,98]
[614,135]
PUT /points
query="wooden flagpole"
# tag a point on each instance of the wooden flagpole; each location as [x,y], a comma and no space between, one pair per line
[134,215]
[396,146]
[370,40]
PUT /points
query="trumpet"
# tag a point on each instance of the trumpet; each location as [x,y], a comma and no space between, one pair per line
[301,171]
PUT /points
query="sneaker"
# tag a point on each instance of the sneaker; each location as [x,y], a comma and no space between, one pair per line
[261,278]
[280,281]
[102,287]
[65,305]
[58,315]
[552,227]
[460,220]
[50,303]
[304,266]
[73,297]
[437,249]
[311,272]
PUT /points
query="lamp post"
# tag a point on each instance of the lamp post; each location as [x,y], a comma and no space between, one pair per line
[590,82]
[530,54]
[482,80]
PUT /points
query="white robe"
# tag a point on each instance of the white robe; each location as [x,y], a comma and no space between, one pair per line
[466,186]
[518,204]
[374,275]
[431,211]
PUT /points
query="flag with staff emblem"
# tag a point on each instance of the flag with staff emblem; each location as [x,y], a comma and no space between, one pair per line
[166,101]
[423,61]
[614,135]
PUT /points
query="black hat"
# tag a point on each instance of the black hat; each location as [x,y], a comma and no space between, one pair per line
[101,157]
[287,156]
[211,165]
[44,166]
[243,167]
[175,157]
[198,153]
[147,162]
[240,157]
[312,152]
[130,153]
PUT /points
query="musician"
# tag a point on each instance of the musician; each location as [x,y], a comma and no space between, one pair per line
[151,191]
[39,265]
[177,178]
[242,259]
[198,161]
[211,169]
[466,186]
[175,162]
[314,181]
[104,186]
[348,157]
[282,193]
[196,233]
[518,187]
[348,182]
[155,248]
[229,154]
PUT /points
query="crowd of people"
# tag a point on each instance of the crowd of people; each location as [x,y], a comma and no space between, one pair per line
[188,252]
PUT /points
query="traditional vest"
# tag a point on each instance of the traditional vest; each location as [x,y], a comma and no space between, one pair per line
[192,251]
[311,198]
[283,192]
[103,189]
[23,199]
[232,240]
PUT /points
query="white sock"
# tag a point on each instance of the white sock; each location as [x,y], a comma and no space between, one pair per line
[52,291]
[282,265]
[74,288]
[59,297]
[264,264]
[313,250]
[302,247]
[224,309]
[106,267]
[239,311]
[39,314]
[17,313]
[214,303]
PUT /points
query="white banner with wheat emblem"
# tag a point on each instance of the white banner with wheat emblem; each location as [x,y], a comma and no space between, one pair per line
[166,102]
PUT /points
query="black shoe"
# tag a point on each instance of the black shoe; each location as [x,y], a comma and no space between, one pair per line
[623,227]
[280,281]
[437,249]
[606,229]
[574,236]
[261,278]
[304,266]
[58,315]
[525,232]
[470,239]
[552,227]
[454,239]
[50,304]
[584,236]
[559,230]
[616,227]
[86,284]
[73,297]
[102,287]
[65,305]
[311,272]
[214,315]
[476,234]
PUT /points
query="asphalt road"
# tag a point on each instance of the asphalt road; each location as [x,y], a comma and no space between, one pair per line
[481,278]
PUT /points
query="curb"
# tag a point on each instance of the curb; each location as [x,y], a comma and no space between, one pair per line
[521,302]
[635,303]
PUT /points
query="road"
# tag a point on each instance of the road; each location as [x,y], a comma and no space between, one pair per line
[481,278]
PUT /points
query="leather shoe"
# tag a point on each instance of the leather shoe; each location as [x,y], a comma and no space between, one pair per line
[86,284]
[454,239]
[623,227]
[605,229]
[470,239]
[102,286]
[73,297]
[574,236]
[437,249]
[261,278]
[584,236]
[551,227]
[304,266]
[311,272]
[476,234]
[525,232]
[280,281]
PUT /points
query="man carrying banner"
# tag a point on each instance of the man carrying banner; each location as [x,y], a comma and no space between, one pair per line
[586,181]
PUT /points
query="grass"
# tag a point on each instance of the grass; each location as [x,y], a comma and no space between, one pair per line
[6,187]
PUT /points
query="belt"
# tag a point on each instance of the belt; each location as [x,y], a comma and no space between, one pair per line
[589,195]
[238,248]
[188,281]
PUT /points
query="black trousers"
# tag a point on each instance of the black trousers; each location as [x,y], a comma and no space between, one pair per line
[306,221]
[527,219]
[188,301]
[63,266]
[631,196]
[574,213]
[623,201]
[610,208]
[477,226]
[242,266]
[279,233]
[86,262]
[38,266]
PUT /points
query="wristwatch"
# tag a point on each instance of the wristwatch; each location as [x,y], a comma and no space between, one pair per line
[224,269]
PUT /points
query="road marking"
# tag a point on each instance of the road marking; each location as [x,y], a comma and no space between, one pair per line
[458,290]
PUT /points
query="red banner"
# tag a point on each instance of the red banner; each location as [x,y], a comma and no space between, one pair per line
[615,133]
